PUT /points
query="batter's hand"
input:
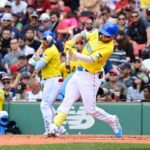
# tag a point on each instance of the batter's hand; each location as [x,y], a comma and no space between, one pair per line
[67,48]
[70,43]
[36,57]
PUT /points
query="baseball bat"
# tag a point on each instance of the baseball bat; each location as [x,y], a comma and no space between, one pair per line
[39,50]
[67,61]
[54,26]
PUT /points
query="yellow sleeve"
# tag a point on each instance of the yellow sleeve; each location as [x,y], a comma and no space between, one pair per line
[47,55]
[90,35]
[145,3]
[2,97]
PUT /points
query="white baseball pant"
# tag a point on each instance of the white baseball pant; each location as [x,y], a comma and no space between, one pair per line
[85,84]
[50,91]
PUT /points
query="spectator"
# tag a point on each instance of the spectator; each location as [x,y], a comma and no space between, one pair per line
[146,91]
[22,85]
[45,24]
[148,15]
[146,64]
[105,13]
[9,91]
[137,66]
[120,5]
[108,66]
[8,7]
[36,92]
[6,23]
[45,21]
[123,49]
[30,39]
[27,50]
[89,24]
[125,75]
[135,92]
[22,63]
[90,5]
[2,73]
[12,57]
[16,22]
[26,17]
[14,70]
[54,18]
[74,4]
[40,5]
[138,33]
[68,22]
[113,85]
[122,22]
[99,22]
[5,42]
[19,6]
[33,24]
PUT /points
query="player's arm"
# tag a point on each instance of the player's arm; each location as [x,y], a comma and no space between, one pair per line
[43,61]
[77,38]
[80,36]
[39,65]
[82,57]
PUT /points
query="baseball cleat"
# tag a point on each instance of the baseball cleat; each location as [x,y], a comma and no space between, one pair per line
[54,131]
[119,133]
[117,128]
[62,130]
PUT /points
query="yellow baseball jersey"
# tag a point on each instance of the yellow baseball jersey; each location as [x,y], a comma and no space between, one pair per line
[67,71]
[98,50]
[145,3]
[2,97]
[52,57]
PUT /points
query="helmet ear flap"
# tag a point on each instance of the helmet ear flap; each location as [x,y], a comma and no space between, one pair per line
[49,38]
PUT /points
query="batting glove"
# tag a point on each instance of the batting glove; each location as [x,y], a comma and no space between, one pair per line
[36,57]
[70,43]
[32,62]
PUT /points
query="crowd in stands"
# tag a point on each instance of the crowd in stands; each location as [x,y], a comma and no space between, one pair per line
[22,22]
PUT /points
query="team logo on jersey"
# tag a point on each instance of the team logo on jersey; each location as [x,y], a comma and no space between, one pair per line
[88,47]
[78,119]
[98,56]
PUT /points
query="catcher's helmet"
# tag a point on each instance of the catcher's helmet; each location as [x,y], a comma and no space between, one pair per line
[49,36]
[109,29]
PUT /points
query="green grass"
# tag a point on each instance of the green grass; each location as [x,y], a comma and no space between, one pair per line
[80,146]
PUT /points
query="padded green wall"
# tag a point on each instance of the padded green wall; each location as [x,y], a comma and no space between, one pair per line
[134,118]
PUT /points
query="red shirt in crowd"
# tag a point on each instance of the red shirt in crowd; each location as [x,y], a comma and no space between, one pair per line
[41,6]
[121,4]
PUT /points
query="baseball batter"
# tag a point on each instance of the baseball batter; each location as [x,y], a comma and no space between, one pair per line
[49,65]
[85,81]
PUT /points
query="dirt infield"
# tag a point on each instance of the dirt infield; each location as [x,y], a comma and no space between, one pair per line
[42,139]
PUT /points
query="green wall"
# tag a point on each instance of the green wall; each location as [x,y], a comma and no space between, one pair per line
[134,118]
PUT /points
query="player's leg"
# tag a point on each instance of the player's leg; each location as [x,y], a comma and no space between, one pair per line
[50,91]
[71,95]
[89,101]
